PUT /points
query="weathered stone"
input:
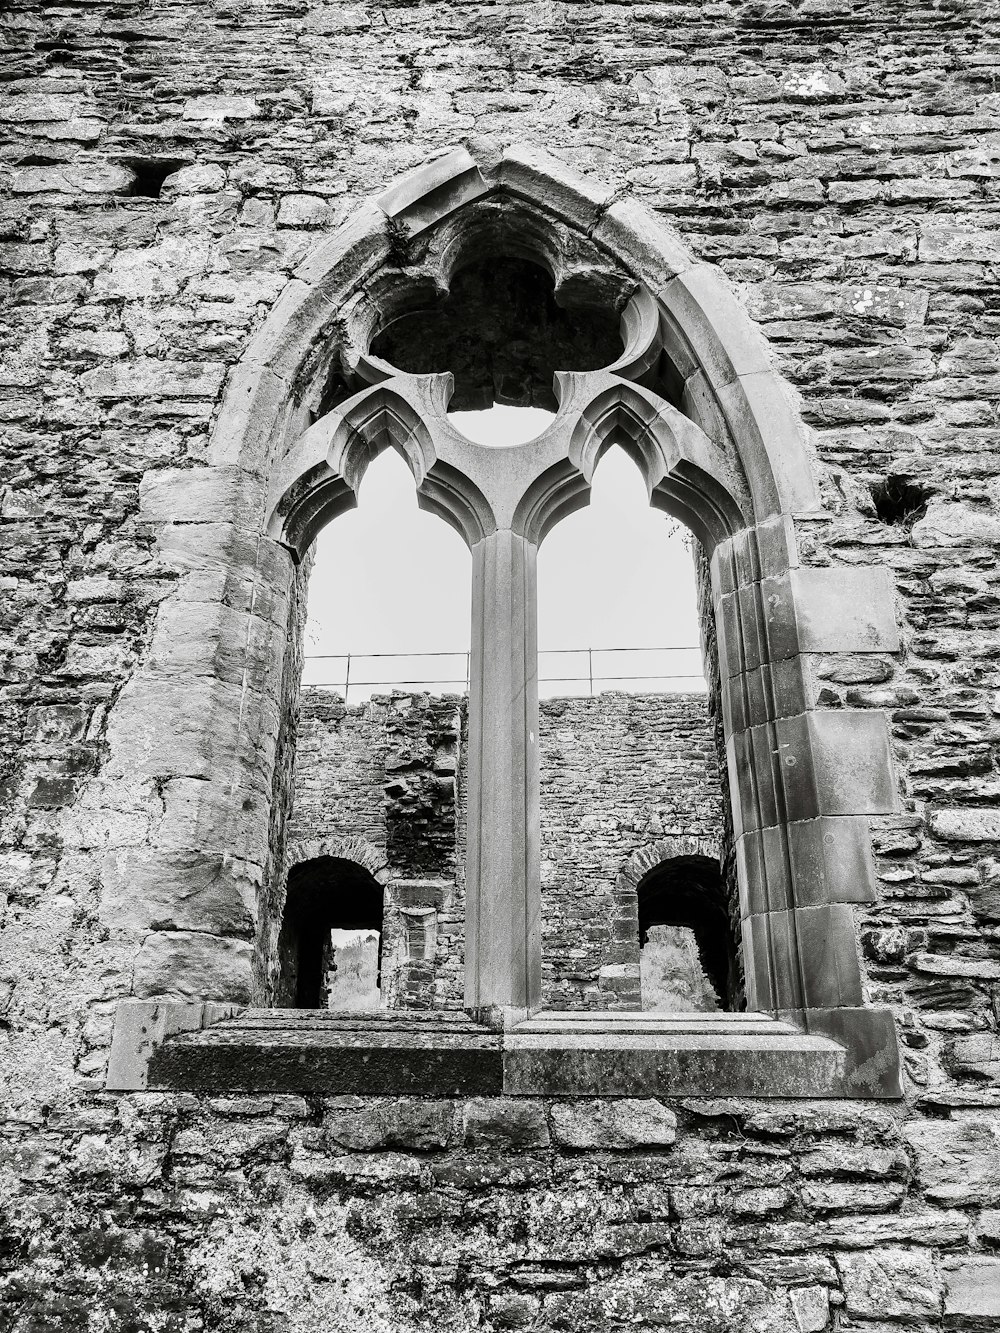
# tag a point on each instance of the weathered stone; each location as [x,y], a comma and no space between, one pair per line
[388,1170]
[182,964]
[950,243]
[977,824]
[953,965]
[891,1283]
[366,1126]
[180,890]
[35,107]
[504,1124]
[628,1123]
[853,1198]
[200,178]
[972,1290]
[218,107]
[854,670]
[950,524]
[100,178]
[848,1160]
[978,1055]
[513,1310]
[154,271]
[811,1307]
[958,1161]
[303,210]
[147,377]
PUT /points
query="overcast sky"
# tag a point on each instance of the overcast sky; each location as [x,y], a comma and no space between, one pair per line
[389,578]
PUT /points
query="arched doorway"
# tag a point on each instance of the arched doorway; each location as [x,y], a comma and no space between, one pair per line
[688,958]
[330,945]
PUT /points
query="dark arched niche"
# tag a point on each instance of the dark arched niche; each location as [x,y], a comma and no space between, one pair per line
[324,894]
[688,891]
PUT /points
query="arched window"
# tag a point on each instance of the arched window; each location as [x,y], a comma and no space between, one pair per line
[687,387]
[375,757]
[388,584]
[626,739]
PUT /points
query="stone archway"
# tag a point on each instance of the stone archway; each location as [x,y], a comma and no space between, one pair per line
[358,850]
[350,851]
[637,867]
[649,856]
[326,897]
[726,450]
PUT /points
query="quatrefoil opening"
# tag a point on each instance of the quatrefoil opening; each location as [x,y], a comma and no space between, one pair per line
[503,330]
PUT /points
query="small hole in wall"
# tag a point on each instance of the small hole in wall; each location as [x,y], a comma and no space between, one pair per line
[39,160]
[898,502]
[150,173]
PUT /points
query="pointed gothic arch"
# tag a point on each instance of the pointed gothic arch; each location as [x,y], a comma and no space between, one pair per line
[696,398]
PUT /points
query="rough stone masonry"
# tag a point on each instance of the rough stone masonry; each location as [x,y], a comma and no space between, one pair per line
[165,168]
[385,782]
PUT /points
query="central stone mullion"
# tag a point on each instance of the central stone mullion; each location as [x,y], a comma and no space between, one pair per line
[503,965]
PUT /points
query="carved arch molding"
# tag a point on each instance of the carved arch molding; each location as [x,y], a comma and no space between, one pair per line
[696,402]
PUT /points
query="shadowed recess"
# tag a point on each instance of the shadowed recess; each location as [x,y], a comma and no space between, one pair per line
[324,894]
[899,502]
[688,891]
[502,334]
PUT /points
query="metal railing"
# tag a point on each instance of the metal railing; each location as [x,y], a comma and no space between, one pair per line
[455,669]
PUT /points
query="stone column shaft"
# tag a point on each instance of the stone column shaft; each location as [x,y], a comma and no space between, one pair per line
[502,929]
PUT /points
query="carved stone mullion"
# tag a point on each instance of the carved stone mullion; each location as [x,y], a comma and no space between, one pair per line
[503,896]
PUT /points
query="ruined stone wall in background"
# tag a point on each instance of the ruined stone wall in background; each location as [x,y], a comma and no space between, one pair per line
[619,773]
[340,765]
[379,781]
[164,167]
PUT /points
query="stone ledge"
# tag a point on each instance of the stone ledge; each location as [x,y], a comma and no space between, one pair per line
[677,1055]
[174,1046]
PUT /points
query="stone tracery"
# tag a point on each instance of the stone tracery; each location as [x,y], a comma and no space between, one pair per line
[502,334]
[503,501]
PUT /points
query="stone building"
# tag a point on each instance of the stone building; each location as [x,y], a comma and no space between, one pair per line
[245,248]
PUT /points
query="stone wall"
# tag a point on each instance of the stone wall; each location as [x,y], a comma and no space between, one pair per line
[621,775]
[158,1212]
[839,162]
[379,783]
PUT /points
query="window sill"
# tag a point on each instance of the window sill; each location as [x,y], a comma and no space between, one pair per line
[173,1046]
